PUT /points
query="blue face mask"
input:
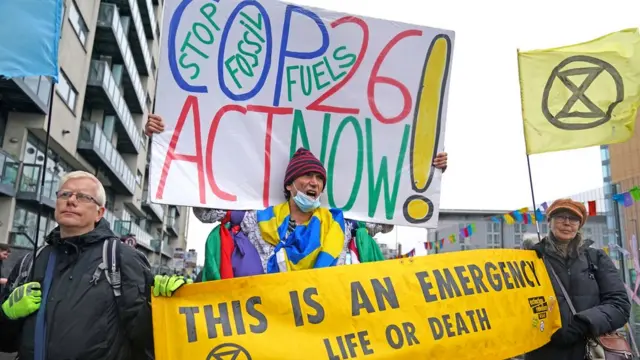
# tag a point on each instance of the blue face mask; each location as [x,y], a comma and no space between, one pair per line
[306,203]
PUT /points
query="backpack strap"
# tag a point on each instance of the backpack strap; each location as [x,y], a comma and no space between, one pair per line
[110,266]
[26,265]
[592,267]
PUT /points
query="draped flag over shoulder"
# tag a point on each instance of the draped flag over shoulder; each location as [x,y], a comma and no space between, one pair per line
[30,36]
[581,95]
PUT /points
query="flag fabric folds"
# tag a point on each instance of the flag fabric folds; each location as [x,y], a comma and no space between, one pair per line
[581,95]
[30,37]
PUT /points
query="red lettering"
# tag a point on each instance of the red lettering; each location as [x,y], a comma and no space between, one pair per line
[317,104]
[376,79]
[270,111]
[190,103]
[210,142]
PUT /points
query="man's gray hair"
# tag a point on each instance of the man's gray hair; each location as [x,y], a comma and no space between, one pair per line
[101,196]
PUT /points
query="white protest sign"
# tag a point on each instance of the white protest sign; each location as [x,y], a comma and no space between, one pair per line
[243,84]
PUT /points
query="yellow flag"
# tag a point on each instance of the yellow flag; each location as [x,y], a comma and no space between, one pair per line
[581,95]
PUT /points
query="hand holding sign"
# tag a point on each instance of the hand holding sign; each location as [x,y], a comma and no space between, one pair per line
[432,307]
[245,82]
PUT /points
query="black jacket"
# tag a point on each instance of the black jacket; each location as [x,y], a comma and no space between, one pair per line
[600,300]
[84,322]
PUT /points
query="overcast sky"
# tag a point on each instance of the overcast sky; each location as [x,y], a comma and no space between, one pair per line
[484,136]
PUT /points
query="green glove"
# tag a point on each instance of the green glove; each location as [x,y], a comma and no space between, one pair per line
[165,285]
[23,301]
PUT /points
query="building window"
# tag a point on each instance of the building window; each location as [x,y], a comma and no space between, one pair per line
[493,235]
[606,171]
[519,230]
[24,225]
[34,155]
[108,126]
[66,91]
[544,229]
[604,153]
[139,177]
[78,24]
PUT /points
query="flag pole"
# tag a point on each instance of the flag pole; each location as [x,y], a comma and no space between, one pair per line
[43,178]
[533,197]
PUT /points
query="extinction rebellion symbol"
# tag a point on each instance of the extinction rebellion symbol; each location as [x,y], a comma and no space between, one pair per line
[229,351]
[598,110]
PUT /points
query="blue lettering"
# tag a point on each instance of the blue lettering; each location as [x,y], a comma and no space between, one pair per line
[223,42]
[286,53]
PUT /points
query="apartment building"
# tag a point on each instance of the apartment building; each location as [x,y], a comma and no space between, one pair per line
[108,55]
[489,234]
[621,173]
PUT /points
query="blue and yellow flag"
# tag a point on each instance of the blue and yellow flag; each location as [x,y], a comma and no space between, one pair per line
[581,95]
[30,34]
[316,244]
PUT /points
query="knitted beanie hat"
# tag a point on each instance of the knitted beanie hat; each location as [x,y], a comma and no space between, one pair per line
[303,162]
[575,207]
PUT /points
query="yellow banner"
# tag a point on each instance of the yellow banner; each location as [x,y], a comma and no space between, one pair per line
[480,304]
[581,95]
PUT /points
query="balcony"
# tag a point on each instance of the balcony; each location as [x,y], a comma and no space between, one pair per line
[173,225]
[30,94]
[30,188]
[103,93]
[9,168]
[148,17]
[156,209]
[137,38]
[95,147]
[112,41]
[126,227]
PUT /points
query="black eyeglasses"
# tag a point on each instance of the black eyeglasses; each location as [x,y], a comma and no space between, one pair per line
[572,219]
[82,198]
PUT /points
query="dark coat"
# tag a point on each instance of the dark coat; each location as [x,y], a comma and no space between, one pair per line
[598,295]
[84,322]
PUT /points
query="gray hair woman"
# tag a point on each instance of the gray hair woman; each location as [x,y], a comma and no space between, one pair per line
[589,278]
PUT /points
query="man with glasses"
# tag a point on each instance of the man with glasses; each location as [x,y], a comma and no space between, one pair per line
[87,309]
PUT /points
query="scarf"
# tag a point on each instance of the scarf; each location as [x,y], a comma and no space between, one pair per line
[315,244]
[364,248]
[217,253]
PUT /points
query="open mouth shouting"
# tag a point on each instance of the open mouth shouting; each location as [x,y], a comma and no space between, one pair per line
[312,193]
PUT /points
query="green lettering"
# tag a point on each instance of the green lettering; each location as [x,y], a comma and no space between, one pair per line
[244,65]
[306,91]
[383,176]
[326,123]
[206,30]
[330,71]
[186,44]
[332,160]
[317,74]
[351,58]
[232,71]
[252,55]
[257,25]
[290,81]
[209,16]
[189,65]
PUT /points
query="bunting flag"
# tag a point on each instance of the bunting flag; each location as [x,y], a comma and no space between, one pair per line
[525,216]
[592,208]
[509,219]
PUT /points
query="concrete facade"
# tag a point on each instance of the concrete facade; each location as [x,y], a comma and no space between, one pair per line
[108,55]
[490,234]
